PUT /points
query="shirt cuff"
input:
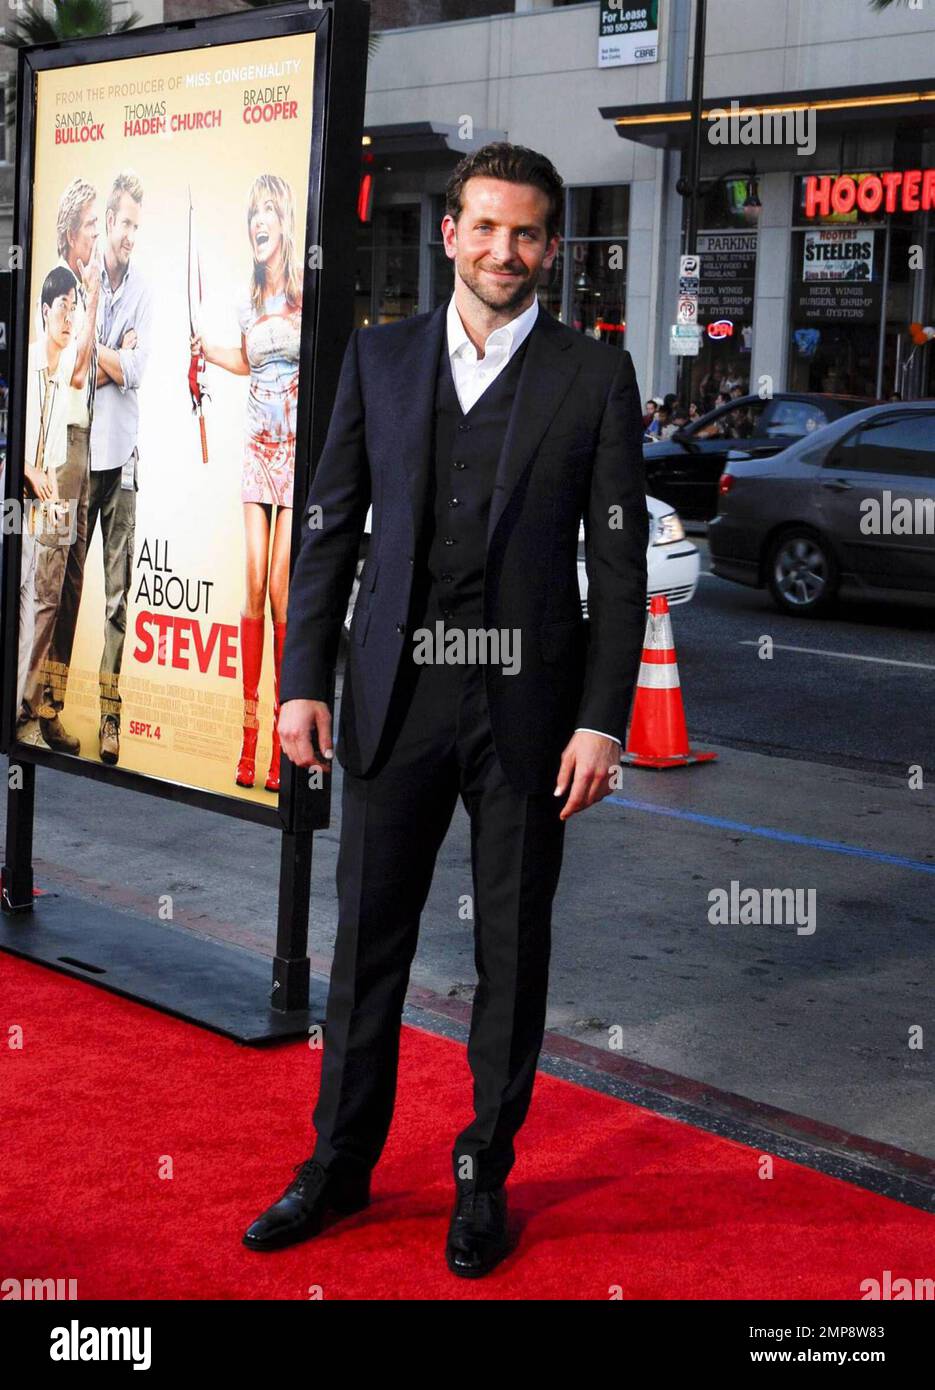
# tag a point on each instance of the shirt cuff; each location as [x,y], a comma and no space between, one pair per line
[598,731]
[123,356]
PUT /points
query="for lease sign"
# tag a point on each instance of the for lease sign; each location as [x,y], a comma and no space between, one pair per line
[627,33]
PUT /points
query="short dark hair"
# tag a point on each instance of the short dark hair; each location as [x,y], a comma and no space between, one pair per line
[513,164]
[58,282]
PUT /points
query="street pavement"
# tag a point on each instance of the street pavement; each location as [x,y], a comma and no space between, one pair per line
[811,791]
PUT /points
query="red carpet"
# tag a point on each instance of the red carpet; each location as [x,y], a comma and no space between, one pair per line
[105,1094]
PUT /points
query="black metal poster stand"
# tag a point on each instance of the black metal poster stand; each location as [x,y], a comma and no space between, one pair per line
[223,988]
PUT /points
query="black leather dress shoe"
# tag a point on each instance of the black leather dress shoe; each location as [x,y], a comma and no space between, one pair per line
[302,1208]
[477,1237]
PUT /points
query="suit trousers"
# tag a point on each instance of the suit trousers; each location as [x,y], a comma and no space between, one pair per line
[437,743]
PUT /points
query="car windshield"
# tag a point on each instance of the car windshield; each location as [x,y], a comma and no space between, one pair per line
[737,422]
[795,419]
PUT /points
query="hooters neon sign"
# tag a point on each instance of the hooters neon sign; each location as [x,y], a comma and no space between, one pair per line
[896,190]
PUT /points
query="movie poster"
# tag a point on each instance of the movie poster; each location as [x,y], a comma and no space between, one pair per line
[168,253]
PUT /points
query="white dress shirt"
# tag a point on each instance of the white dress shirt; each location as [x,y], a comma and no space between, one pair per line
[472,374]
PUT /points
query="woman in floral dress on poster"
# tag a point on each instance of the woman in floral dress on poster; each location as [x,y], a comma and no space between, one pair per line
[270,318]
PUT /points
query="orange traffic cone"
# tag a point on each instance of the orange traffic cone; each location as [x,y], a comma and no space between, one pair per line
[658,736]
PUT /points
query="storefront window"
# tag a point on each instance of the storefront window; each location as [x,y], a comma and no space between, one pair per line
[441,268]
[851,297]
[600,211]
[550,286]
[593,269]
[387,280]
[919,360]
[836,309]
[727,249]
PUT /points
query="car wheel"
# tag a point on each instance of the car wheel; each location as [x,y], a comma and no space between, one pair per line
[801,573]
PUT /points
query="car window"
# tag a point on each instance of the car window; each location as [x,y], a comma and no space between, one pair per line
[734,422]
[895,444]
[794,419]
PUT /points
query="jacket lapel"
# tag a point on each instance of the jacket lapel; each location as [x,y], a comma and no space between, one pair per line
[415,375]
[546,376]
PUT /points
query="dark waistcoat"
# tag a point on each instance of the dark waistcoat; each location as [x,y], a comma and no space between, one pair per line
[450,577]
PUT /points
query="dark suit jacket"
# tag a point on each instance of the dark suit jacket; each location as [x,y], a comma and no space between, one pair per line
[573,449]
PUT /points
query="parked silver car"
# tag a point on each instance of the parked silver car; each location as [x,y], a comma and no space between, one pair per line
[849,510]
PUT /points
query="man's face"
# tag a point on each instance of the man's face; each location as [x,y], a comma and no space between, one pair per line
[499,243]
[122,227]
[59,319]
[84,240]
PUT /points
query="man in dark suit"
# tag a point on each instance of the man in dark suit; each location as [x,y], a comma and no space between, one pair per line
[481,433]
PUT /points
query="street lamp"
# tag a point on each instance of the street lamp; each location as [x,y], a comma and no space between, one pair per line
[752,207]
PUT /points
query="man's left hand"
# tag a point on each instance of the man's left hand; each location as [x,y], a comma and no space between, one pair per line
[586,766]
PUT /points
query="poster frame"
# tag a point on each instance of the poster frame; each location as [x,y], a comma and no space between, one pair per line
[337,124]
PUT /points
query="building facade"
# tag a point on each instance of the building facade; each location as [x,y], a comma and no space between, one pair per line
[796,291]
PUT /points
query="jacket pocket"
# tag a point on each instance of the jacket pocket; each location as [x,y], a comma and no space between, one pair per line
[368,575]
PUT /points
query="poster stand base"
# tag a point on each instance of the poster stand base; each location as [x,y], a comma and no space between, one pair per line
[205,982]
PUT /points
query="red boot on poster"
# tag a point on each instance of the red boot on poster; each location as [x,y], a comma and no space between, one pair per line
[252,633]
[279,642]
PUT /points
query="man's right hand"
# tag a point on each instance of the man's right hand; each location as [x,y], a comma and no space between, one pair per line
[301,722]
[41,484]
